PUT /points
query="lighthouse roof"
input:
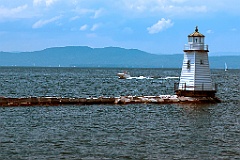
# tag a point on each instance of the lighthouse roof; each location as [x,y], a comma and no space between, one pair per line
[196,33]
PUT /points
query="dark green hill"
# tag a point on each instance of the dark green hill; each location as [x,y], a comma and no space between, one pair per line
[83,56]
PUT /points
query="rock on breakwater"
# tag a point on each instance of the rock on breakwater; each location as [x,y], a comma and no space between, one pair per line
[56,101]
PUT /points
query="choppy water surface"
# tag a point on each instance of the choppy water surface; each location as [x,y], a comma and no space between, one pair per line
[139,131]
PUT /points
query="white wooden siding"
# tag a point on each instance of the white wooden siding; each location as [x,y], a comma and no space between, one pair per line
[197,77]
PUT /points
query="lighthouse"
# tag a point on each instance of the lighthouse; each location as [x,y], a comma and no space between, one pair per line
[195,80]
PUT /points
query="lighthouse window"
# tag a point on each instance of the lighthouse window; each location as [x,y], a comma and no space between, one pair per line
[190,39]
[188,64]
[201,61]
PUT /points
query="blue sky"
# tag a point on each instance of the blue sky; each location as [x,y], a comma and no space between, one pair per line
[154,26]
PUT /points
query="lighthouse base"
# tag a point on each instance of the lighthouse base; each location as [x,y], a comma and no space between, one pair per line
[195,93]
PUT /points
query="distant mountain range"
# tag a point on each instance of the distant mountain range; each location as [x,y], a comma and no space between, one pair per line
[82,56]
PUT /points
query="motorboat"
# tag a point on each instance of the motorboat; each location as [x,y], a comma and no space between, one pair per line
[123,75]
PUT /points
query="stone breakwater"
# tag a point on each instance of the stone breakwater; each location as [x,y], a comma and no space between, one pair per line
[56,101]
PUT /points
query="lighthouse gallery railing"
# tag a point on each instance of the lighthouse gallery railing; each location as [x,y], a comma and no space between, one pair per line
[195,47]
[185,87]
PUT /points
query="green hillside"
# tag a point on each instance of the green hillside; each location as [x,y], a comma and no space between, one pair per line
[83,56]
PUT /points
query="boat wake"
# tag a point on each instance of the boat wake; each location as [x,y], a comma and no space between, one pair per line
[126,75]
[140,77]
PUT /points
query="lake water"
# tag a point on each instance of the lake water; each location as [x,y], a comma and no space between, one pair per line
[136,131]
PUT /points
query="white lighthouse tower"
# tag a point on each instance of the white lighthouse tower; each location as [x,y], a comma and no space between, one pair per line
[195,77]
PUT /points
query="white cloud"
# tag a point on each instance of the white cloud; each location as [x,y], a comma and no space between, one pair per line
[84,27]
[83,11]
[37,2]
[97,13]
[179,1]
[12,12]
[182,10]
[160,26]
[95,26]
[94,13]
[210,31]
[46,2]
[41,23]
[141,5]
[177,8]
[74,18]
[50,2]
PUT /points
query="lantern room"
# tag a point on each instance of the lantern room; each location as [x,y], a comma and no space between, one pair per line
[196,42]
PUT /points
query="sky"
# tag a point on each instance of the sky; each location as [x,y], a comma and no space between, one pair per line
[154,26]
